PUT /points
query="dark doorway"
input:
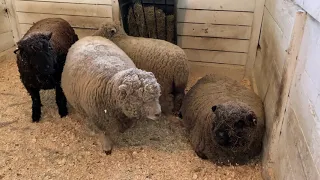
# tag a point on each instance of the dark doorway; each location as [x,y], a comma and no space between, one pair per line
[149,18]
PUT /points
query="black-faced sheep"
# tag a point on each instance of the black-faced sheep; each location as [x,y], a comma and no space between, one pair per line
[102,83]
[224,120]
[41,54]
[167,61]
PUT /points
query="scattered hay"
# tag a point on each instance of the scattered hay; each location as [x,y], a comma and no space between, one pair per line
[60,148]
[150,21]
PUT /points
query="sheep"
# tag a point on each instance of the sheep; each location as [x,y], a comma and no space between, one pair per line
[102,83]
[41,54]
[167,61]
[224,120]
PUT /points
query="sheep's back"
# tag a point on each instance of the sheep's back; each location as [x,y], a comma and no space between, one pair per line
[91,62]
[63,35]
[158,56]
[213,90]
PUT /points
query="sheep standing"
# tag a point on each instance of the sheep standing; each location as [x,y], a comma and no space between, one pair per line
[41,54]
[101,82]
[167,61]
[225,120]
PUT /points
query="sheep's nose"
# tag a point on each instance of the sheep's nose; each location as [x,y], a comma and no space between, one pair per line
[158,115]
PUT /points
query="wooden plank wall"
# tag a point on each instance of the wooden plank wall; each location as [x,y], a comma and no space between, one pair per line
[84,15]
[6,36]
[292,142]
[218,32]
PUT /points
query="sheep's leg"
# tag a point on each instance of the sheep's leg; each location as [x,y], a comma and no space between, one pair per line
[166,102]
[106,142]
[36,104]
[61,102]
[177,103]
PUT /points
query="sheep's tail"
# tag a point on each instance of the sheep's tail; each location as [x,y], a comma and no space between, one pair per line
[180,81]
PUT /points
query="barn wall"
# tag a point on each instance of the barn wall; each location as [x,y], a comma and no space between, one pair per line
[220,36]
[292,143]
[6,36]
[84,15]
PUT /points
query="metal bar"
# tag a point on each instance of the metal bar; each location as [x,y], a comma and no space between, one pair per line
[144,17]
[155,17]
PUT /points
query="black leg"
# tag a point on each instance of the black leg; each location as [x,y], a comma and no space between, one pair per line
[36,104]
[61,102]
[201,155]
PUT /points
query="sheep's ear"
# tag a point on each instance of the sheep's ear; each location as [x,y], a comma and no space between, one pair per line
[123,92]
[252,118]
[16,50]
[122,88]
[214,108]
[48,35]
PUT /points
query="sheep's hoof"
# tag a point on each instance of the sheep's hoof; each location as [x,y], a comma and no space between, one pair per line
[35,118]
[108,152]
[63,113]
[201,155]
[106,143]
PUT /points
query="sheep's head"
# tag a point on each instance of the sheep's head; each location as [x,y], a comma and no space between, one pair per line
[110,30]
[234,125]
[139,94]
[35,50]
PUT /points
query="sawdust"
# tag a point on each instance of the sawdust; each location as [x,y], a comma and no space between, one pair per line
[59,148]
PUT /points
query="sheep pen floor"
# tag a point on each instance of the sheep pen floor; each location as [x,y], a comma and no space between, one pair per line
[62,148]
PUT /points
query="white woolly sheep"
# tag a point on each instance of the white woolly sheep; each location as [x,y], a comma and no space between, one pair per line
[167,61]
[41,54]
[224,120]
[101,82]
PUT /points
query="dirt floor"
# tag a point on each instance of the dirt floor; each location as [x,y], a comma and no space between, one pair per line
[59,148]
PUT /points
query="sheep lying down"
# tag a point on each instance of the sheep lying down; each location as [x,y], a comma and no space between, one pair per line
[101,82]
[224,120]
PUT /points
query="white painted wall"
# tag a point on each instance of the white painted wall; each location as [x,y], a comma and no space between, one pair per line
[295,152]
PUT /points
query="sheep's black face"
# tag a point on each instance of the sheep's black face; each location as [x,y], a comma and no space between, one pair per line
[36,50]
[234,125]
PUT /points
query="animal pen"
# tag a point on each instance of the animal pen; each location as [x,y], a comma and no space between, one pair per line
[269,46]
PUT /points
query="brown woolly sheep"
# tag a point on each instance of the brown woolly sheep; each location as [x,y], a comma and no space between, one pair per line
[101,82]
[41,55]
[167,61]
[224,120]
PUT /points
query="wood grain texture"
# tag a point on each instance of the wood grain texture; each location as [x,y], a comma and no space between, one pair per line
[215,17]
[79,31]
[106,2]
[64,8]
[4,18]
[217,44]
[200,69]
[6,41]
[75,21]
[13,19]
[311,6]
[255,34]
[228,5]
[216,57]
[210,30]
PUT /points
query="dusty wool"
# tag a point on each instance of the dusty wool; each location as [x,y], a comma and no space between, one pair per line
[224,120]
